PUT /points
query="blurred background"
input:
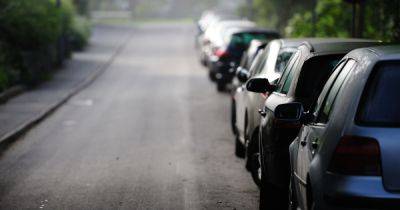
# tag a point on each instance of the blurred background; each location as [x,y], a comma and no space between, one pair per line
[65,24]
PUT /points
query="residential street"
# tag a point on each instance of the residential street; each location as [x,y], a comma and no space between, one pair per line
[150,133]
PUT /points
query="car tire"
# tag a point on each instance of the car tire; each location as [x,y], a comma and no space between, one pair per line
[292,195]
[252,160]
[212,76]
[271,197]
[239,148]
[266,193]
[220,87]
[233,117]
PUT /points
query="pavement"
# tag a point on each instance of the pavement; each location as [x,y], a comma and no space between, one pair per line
[150,132]
[22,112]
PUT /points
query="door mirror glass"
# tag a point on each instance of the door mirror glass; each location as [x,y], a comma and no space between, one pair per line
[259,85]
[242,74]
[291,112]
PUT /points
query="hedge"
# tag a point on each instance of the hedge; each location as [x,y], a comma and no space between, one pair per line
[35,37]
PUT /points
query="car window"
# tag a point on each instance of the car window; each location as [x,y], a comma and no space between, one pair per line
[381,101]
[288,81]
[330,99]
[328,86]
[313,76]
[258,61]
[282,61]
[244,39]
[287,72]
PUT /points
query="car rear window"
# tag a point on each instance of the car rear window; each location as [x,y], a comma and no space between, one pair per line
[381,102]
[314,74]
[243,39]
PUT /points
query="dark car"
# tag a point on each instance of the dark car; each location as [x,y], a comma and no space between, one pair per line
[271,65]
[302,81]
[212,38]
[211,19]
[346,155]
[229,52]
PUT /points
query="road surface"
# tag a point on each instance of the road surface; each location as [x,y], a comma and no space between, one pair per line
[150,133]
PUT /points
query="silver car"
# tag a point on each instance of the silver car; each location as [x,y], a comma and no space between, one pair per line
[270,64]
[346,155]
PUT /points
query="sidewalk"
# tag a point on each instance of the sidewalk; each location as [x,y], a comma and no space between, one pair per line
[22,112]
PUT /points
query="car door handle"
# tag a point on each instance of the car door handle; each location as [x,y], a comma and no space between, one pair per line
[314,144]
[303,143]
[262,112]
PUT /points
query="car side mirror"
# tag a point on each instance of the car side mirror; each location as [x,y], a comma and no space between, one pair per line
[259,85]
[242,74]
[290,112]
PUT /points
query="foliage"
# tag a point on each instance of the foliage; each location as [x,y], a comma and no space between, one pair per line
[276,13]
[79,33]
[82,7]
[332,21]
[333,18]
[33,38]
[27,24]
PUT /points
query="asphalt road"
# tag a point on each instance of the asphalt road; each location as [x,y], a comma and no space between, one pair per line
[150,133]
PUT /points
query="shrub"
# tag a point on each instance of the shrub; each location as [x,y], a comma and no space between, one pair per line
[79,33]
[34,37]
[332,21]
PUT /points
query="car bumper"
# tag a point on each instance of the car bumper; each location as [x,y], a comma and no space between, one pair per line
[223,71]
[356,192]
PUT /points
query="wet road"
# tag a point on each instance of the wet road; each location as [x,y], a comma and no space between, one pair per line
[150,133]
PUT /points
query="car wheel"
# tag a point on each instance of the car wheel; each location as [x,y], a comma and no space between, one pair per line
[292,196]
[239,148]
[253,160]
[255,169]
[266,192]
[271,197]
[233,117]
[220,87]
[212,76]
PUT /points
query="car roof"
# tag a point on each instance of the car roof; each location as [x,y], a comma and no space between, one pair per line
[392,51]
[292,42]
[336,45]
[235,30]
[377,53]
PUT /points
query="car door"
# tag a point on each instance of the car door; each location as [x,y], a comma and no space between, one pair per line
[269,157]
[311,135]
[241,97]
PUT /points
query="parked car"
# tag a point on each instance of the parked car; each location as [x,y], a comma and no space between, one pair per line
[301,81]
[346,154]
[213,38]
[230,50]
[255,49]
[208,19]
[274,60]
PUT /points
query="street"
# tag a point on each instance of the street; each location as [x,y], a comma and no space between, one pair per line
[150,133]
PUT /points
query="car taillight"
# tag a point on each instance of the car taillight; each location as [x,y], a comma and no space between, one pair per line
[206,41]
[220,53]
[356,155]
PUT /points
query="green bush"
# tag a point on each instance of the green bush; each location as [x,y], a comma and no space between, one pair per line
[79,33]
[35,37]
[29,24]
[332,21]
[3,78]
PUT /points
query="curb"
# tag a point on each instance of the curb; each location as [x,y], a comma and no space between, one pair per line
[7,139]
[10,93]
